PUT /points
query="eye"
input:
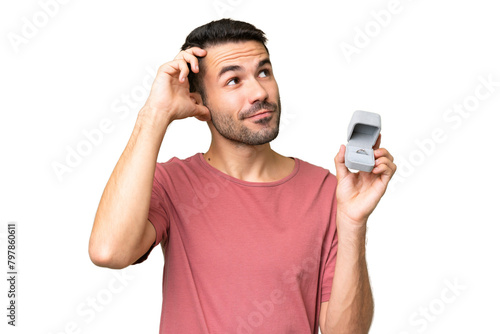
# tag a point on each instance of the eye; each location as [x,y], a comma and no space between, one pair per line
[232,82]
[264,73]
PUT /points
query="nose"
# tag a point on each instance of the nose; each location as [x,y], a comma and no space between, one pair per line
[256,92]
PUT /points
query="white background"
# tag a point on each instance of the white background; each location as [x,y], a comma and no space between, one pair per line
[437,225]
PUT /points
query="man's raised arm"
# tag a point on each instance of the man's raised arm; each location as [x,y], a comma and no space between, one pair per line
[122,233]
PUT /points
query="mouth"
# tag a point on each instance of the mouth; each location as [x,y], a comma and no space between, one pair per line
[261,114]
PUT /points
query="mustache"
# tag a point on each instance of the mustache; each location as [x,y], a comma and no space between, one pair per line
[256,107]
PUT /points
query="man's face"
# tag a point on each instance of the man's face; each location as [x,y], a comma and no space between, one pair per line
[241,92]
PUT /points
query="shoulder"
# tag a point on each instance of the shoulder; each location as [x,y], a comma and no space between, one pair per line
[176,163]
[314,170]
[177,168]
[315,173]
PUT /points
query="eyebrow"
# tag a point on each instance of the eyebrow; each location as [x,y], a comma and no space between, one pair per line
[236,68]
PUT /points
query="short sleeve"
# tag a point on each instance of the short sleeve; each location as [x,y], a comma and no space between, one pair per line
[331,260]
[158,215]
[326,287]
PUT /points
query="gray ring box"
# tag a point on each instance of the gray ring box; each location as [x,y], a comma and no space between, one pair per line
[362,135]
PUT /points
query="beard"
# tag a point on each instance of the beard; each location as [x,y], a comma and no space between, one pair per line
[237,131]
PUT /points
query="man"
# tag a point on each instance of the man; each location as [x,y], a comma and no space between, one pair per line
[254,242]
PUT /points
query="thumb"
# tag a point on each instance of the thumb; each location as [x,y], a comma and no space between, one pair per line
[202,113]
[342,170]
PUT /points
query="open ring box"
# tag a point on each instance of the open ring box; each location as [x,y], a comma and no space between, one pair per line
[362,135]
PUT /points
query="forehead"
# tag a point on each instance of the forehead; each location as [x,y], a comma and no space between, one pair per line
[238,53]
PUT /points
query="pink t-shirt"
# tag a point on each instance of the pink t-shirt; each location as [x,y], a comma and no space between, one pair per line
[243,257]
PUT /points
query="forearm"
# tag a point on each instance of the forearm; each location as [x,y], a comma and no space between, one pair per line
[122,213]
[350,309]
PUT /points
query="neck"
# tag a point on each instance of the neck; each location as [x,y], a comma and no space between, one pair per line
[253,163]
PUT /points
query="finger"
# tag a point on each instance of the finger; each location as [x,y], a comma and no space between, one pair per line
[382,160]
[191,56]
[382,152]
[181,67]
[189,59]
[377,143]
[384,167]
[199,52]
[174,68]
[342,170]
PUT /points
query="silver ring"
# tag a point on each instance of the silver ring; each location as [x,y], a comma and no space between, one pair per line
[361,151]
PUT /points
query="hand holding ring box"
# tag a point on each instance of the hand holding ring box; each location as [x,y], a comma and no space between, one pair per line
[362,135]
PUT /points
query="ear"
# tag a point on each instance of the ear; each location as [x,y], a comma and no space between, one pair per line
[196,97]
